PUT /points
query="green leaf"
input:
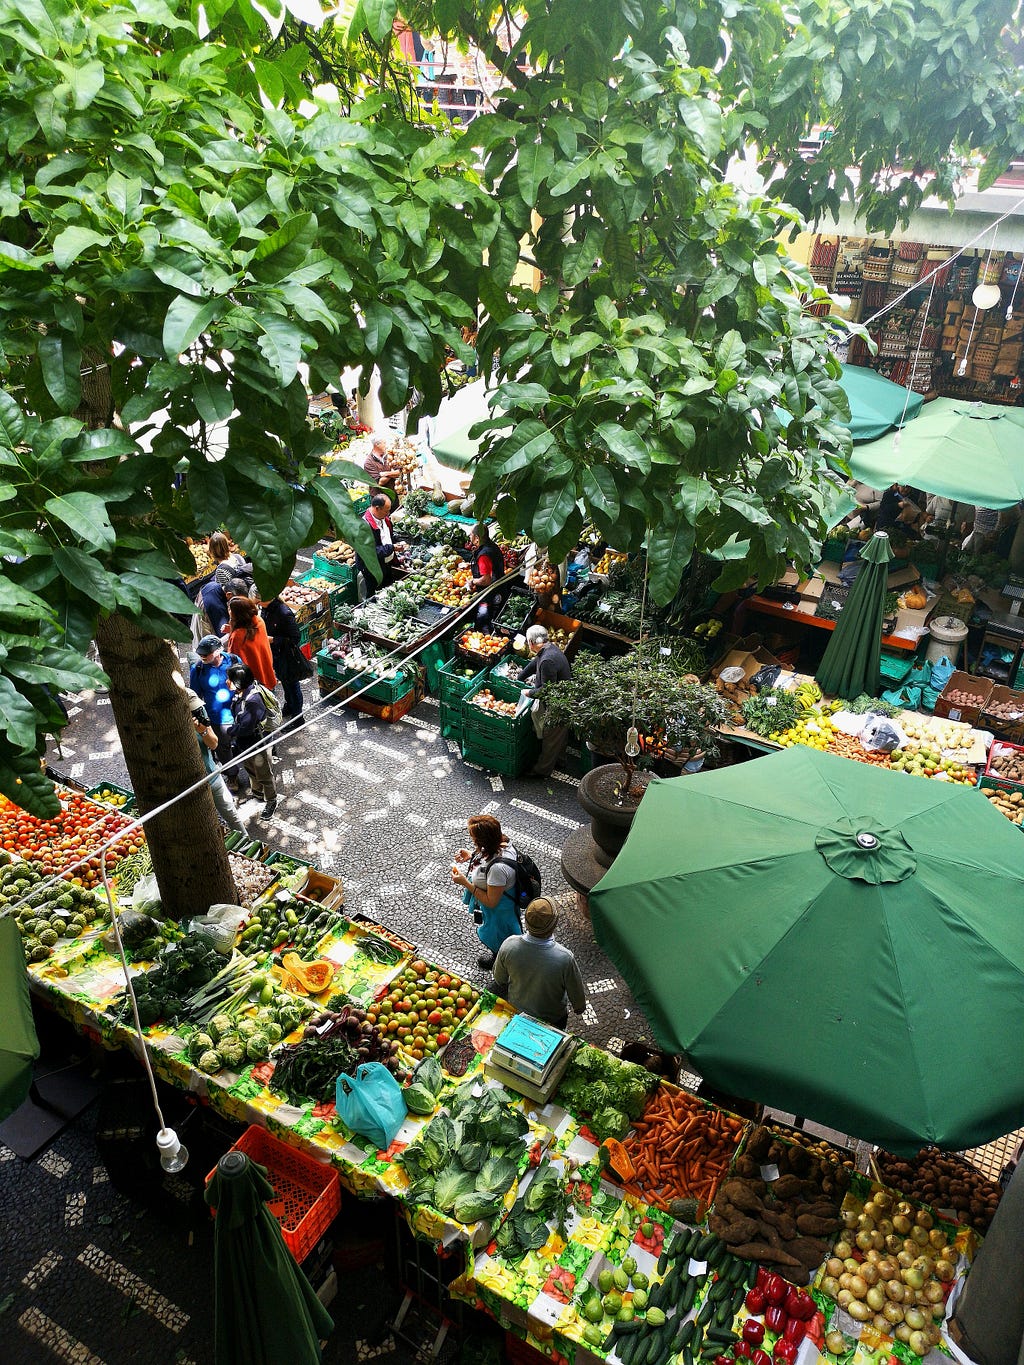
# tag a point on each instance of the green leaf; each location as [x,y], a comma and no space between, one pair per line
[669,551]
[270,79]
[87,574]
[379,16]
[379,321]
[17,716]
[162,595]
[284,250]
[186,320]
[534,164]
[553,510]
[730,352]
[528,442]
[703,119]
[59,668]
[656,151]
[104,443]
[69,244]
[281,344]
[12,420]
[61,366]
[503,255]
[414,217]
[211,397]
[626,446]
[23,782]
[600,491]
[85,514]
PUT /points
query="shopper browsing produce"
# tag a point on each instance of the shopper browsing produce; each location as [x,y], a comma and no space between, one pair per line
[248,639]
[209,678]
[249,711]
[290,664]
[229,563]
[547,665]
[537,975]
[487,876]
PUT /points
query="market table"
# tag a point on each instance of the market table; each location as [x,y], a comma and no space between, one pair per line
[766,607]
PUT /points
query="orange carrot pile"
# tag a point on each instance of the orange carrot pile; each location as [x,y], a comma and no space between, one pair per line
[681,1148]
[848,747]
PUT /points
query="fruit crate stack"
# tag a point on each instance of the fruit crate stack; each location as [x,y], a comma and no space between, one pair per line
[454,680]
[387,690]
[340,591]
[496,740]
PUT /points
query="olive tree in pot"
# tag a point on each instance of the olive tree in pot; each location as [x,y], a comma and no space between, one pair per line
[602,701]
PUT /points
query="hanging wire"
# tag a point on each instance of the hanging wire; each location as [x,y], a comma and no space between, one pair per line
[632,734]
[913,369]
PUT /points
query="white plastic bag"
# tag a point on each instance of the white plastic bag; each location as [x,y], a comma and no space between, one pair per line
[146,896]
[220,925]
[882,735]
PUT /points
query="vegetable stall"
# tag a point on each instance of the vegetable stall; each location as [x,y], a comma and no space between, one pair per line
[626,1219]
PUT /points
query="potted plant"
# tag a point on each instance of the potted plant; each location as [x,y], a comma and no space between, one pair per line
[652,689]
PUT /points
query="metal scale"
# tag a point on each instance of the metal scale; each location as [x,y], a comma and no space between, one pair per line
[530,1057]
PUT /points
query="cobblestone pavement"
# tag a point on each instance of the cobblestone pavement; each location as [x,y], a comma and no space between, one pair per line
[88,1272]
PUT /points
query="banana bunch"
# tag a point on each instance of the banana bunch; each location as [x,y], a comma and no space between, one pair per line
[808,694]
[709,629]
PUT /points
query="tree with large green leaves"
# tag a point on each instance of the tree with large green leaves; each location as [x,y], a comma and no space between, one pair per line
[180,257]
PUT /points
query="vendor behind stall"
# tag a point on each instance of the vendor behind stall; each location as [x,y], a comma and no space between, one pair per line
[378,517]
[377,466]
[487,564]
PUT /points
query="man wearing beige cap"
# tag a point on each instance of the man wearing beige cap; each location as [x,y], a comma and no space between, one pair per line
[537,975]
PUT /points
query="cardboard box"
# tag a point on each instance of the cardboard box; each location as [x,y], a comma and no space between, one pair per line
[979,688]
[750,660]
[811,590]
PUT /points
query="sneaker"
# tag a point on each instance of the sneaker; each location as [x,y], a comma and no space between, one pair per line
[268,809]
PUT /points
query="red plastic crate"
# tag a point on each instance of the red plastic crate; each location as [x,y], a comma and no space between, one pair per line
[307,1194]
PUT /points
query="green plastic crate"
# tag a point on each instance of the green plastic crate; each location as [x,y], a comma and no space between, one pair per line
[387,691]
[452,681]
[129,805]
[450,719]
[893,668]
[327,568]
[500,756]
[490,723]
[342,589]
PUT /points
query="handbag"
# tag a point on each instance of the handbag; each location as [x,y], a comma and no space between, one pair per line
[370,1102]
[301,665]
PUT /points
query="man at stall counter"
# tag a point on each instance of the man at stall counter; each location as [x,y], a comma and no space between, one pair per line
[376,467]
[547,664]
[536,975]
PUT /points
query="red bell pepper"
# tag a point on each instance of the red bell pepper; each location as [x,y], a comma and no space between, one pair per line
[742,1350]
[795,1331]
[753,1332]
[799,1304]
[775,1288]
[784,1352]
[762,1277]
[756,1300]
[760,1357]
[775,1318]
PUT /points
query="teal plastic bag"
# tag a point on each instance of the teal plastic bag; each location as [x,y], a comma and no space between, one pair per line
[370,1102]
[941,674]
[906,697]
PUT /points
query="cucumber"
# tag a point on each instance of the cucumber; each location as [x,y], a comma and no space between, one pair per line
[717,1254]
[663,1260]
[736,1272]
[685,1335]
[626,1329]
[687,1297]
[706,1313]
[720,1290]
[654,1349]
[724,1336]
[687,1355]
[704,1247]
[692,1237]
[724,1314]
[739,1294]
[680,1294]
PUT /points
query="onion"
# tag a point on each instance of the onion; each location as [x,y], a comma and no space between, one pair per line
[875,1297]
[830,1286]
[918,1343]
[924,1219]
[844,1298]
[894,1290]
[869,1273]
[864,1242]
[857,1287]
[902,1224]
[933,1292]
[945,1270]
[843,1250]
[860,1312]
[834,1267]
[892,1312]
[937,1238]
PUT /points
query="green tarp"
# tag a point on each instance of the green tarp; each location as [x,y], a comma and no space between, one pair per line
[877,991]
[876,403]
[970,452]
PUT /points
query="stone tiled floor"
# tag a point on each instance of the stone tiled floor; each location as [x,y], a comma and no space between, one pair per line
[89,1274]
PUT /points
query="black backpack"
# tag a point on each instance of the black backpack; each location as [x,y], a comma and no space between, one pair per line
[527,883]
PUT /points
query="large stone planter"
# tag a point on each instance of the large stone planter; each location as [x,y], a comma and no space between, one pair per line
[589,853]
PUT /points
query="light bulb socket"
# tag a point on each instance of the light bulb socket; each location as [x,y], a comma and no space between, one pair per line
[632,742]
[173,1155]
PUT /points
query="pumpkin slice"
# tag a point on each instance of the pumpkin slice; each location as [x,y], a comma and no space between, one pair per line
[313,976]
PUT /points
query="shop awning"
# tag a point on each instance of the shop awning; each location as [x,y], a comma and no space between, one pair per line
[876,403]
[970,452]
[452,444]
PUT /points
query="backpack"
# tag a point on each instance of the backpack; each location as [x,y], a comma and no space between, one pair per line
[273,717]
[526,887]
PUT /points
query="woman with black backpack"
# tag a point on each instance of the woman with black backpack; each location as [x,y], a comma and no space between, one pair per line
[488,876]
[250,714]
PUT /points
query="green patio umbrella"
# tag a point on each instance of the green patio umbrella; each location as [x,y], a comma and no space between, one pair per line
[876,403]
[265,1310]
[850,663]
[833,939]
[970,452]
[19,1046]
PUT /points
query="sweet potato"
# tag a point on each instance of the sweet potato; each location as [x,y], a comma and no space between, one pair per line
[741,1196]
[809,1251]
[764,1251]
[781,1221]
[812,1226]
[791,1186]
[736,1231]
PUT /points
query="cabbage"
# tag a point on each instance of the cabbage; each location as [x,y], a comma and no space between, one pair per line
[429,1075]
[420,1099]
[449,1185]
[496,1175]
[473,1155]
[544,1184]
[473,1207]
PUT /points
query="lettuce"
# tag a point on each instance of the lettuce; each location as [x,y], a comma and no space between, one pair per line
[609,1122]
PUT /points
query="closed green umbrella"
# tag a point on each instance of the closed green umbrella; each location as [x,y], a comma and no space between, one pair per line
[265,1310]
[850,663]
[832,939]
[19,1046]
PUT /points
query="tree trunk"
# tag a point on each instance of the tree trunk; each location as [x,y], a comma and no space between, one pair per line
[163,758]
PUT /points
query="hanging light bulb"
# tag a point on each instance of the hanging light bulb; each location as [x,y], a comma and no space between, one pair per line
[173,1154]
[632,742]
[897,439]
[961,369]
[986,296]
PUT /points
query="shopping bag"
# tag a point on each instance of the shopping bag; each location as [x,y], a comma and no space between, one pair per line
[906,698]
[941,674]
[370,1102]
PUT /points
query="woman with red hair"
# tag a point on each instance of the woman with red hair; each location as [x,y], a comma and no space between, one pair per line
[248,640]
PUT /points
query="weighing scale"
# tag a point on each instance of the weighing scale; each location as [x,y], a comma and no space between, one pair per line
[530,1057]
[1014,590]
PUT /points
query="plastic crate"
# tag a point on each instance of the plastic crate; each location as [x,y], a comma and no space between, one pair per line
[517,613]
[329,568]
[893,668]
[510,758]
[306,611]
[993,777]
[386,690]
[452,681]
[341,590]
[307,1194]
[315,633]
[476,719]
[450,720]
[833,550]
[93,794]
[389,712]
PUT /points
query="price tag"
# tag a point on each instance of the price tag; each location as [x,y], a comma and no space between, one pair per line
[769,1173]
[698,1267]
[665,652]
